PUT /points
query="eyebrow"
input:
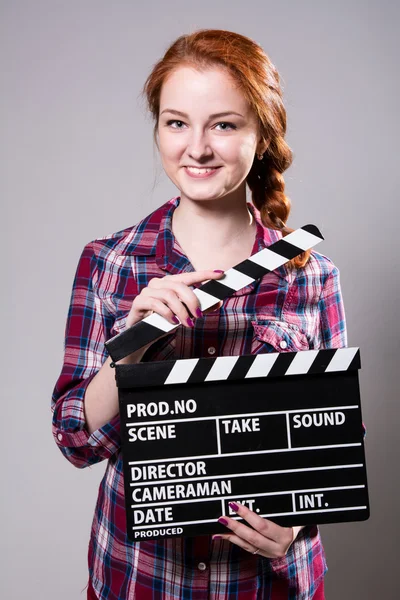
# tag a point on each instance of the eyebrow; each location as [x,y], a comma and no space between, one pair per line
[214,116]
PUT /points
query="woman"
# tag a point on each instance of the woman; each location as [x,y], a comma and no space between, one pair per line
[217,105]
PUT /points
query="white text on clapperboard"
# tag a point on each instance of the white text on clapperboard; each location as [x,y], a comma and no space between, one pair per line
[166,492]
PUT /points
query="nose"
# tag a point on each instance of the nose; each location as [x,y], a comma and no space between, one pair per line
[199,147]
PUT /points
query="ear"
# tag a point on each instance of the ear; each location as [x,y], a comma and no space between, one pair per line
[262,146]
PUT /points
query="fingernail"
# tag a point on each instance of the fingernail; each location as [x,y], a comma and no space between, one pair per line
[199,313]
[190,322]
[234,506]
[217,537]
[222,521]
[175,319]
[218,271]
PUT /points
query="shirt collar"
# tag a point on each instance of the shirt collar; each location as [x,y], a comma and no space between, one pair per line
[153,236]
[170,256]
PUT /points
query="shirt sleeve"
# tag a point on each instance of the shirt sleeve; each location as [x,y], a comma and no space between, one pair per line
[332,315]
[88,326]
[331,311]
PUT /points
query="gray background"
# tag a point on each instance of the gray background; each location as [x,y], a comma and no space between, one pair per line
[77,162]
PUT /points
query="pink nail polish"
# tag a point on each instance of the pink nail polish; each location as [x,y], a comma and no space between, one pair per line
[175,319]
[190,322]
[199,313]
[217,537]
[222,521]
[218,271]
[234,506]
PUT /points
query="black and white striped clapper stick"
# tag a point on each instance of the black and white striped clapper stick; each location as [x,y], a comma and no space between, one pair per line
[211,292]
[230,368]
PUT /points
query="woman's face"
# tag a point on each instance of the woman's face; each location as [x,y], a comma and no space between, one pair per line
[196,138]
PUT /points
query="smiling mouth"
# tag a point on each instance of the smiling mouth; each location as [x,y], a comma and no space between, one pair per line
[201,170]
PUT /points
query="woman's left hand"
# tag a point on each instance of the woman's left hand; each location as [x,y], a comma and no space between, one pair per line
[264,537]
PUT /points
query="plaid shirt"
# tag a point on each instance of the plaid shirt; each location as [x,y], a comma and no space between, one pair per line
[284,311]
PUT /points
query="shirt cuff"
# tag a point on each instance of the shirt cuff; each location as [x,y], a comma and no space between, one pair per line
[105,440]
[70,431]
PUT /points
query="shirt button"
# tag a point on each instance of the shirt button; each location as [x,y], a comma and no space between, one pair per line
[283,344]
[202,566]
[59,436]
[211,350]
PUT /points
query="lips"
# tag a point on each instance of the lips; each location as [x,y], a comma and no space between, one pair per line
[203,174]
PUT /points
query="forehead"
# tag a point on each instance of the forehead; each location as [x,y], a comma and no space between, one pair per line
[211,90]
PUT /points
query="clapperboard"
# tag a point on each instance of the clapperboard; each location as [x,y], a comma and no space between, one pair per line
[278,432]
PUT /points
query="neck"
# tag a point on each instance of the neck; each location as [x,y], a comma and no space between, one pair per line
[220,223]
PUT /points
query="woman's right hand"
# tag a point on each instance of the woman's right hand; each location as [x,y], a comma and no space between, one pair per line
[171,297]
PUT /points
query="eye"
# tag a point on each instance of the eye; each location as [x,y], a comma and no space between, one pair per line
[169,123]
[230,125]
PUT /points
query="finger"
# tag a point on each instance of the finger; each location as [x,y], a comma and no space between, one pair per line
[151,303]
[213,308]
[296,531]
[269,549]
[187,296]
[269,529]
[255,538]
[169,297]
[234,539]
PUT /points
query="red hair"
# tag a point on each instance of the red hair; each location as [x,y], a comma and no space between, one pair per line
[259,82]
